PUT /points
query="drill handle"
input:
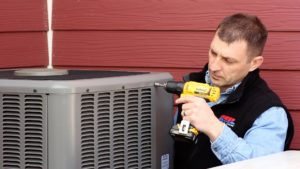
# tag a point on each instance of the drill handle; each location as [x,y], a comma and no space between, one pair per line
[179,110]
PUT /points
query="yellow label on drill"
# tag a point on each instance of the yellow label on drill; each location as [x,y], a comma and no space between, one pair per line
[201,90]
[215,93]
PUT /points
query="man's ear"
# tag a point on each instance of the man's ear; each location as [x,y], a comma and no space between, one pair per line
[256,62]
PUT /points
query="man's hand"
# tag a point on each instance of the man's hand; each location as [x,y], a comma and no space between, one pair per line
[201,116]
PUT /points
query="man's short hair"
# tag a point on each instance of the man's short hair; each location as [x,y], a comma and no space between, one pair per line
[246,27]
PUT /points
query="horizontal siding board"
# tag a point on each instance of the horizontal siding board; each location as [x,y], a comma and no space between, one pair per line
[23,49]
[28,15]
[169,49]
[129,48]
[282,51]
[286,84]
[170,14]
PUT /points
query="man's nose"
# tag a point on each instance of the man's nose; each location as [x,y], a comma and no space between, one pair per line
[215,65]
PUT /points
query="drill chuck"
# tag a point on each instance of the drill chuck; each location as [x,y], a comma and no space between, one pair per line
[172,87]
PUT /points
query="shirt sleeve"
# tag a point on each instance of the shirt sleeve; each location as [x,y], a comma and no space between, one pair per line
[266,136]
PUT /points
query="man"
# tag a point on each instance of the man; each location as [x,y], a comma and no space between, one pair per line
[248,120]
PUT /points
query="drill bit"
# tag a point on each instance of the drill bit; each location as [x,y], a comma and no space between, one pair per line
[156,84]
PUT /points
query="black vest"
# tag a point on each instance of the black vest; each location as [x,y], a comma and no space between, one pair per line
[245,104]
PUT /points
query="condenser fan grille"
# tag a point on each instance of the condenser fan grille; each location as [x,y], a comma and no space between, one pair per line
[24,138]
[116,129]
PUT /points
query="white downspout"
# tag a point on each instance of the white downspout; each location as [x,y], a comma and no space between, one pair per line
[50,33]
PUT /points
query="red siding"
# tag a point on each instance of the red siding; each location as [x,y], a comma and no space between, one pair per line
[29,15]
[23,49]
[169,14]
[169,49]
[23,33]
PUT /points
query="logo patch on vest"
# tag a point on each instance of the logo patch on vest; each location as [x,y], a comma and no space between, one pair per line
[229,121]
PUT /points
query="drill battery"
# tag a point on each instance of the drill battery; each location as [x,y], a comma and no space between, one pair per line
[190,136]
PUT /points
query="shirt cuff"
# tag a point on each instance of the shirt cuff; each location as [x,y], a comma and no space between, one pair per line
[225,143]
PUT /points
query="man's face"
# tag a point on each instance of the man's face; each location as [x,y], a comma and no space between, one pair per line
[228,63]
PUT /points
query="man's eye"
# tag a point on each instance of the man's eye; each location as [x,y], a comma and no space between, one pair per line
[213,53]
[229,61]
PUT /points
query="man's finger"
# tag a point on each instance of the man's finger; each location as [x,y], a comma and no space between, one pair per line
[184,99]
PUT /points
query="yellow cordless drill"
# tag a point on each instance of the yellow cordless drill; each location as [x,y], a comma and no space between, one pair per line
[184,131]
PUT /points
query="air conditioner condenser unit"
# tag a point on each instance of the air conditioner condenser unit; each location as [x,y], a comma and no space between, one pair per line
[86,119]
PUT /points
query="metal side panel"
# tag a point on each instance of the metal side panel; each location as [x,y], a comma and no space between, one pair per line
[64,131]
[162,122]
